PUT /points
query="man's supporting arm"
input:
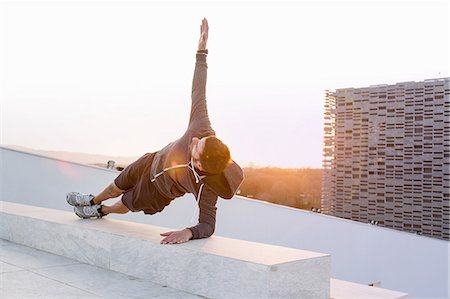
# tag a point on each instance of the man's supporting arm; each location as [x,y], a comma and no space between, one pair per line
[206,221]
[207,215]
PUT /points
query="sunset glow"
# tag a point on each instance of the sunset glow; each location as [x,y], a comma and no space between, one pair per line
[114,78]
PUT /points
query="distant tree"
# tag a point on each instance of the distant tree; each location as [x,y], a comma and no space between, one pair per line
[299,188]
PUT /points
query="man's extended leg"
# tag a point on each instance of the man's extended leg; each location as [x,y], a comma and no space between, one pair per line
[117,208]
[78,199]
[91,206]
[98,211]
[110,192]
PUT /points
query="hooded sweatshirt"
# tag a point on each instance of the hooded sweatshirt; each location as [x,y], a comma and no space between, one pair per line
[173,172]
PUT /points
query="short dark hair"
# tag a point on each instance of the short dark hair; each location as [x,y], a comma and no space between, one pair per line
[215,156]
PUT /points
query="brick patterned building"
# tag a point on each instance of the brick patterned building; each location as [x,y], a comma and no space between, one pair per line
[387,156]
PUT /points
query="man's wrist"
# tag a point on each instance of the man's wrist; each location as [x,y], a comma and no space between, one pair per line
[202,51]
[190,233]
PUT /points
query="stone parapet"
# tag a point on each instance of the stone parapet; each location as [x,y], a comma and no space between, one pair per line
[215,267]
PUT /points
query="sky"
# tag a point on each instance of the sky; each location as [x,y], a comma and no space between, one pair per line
[114,78]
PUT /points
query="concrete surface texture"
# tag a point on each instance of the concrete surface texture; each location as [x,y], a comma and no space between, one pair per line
[341,289]
[30,273]
[215,267]
[210,266]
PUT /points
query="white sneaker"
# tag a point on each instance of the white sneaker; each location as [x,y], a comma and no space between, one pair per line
[88,211]
[77,199]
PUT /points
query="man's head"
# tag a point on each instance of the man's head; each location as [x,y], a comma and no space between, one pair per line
[210,154]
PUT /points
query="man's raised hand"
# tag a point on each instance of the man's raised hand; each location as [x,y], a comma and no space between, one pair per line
[203,34]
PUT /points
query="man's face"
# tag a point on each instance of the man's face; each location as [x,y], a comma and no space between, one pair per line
[197,146]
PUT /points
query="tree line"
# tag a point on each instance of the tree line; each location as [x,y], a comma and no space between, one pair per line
[293,187]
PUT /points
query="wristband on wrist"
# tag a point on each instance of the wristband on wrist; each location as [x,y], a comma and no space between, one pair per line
[205,51]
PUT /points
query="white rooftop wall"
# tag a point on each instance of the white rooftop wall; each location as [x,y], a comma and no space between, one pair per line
[360,253]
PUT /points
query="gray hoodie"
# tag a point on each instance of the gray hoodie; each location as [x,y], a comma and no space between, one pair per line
[173,172]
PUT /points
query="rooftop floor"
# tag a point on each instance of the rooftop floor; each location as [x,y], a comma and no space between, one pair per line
[30,273]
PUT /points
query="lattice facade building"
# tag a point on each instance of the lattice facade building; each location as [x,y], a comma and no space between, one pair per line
[387,156]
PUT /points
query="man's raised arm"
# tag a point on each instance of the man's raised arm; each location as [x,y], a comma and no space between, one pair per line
[199,110]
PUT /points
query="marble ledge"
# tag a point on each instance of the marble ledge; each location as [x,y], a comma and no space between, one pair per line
[215,267]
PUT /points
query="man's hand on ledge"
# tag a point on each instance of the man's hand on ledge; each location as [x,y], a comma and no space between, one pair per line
[176,237]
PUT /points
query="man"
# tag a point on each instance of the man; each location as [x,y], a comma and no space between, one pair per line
[197,163]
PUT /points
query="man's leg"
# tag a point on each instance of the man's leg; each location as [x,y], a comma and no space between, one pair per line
[110,192]
[117,208]
[95,209]
[99,211]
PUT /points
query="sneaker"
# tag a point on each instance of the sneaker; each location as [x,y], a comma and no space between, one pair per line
[77,199]
[88,211]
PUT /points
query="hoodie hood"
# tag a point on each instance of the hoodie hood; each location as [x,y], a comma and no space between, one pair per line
[226,183]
